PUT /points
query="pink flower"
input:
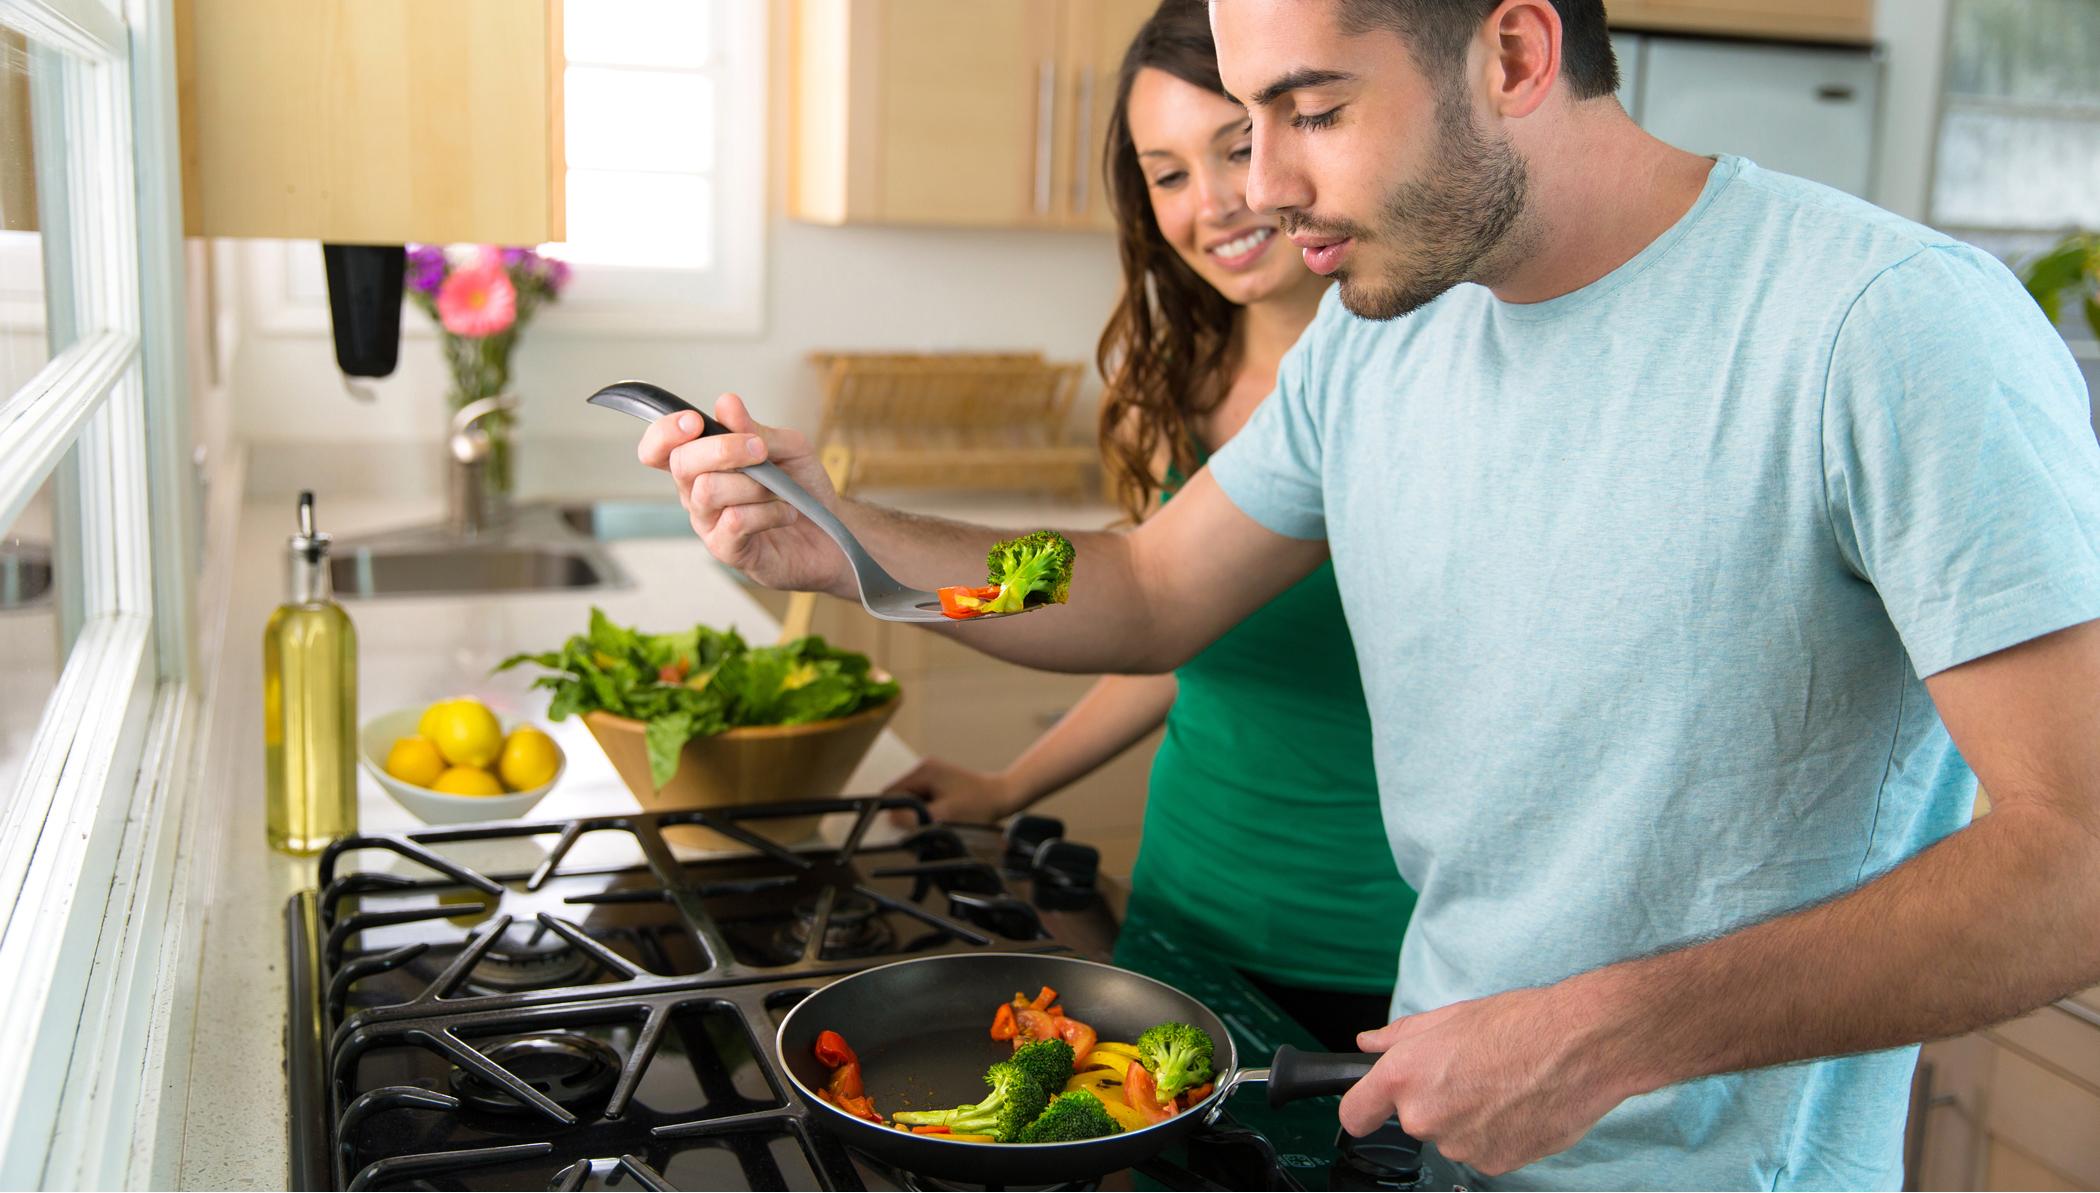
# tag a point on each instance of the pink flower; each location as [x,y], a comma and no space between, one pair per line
[478,300]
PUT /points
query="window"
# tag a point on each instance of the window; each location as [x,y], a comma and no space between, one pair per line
[2019,138]
[664,126]
[96,524]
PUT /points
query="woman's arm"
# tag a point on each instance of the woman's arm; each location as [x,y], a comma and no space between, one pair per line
[1114,714]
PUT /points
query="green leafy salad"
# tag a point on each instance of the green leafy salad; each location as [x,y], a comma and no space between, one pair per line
[699,682]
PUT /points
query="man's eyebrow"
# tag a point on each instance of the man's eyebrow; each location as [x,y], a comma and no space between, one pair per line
[1297,80]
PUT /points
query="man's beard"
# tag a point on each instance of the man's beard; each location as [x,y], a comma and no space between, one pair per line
[1441,227]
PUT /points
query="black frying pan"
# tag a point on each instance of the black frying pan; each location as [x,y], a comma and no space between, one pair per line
[922,1029]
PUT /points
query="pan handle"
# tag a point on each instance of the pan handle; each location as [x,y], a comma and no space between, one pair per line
[1294,1074]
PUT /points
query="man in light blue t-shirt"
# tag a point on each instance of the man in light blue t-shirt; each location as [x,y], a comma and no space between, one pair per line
[1689,517]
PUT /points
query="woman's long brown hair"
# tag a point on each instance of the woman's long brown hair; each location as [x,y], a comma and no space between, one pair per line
[1166,352]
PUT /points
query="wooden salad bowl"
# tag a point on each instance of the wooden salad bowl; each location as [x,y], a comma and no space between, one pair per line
[758,764]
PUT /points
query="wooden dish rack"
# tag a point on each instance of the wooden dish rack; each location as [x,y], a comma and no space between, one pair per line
[982,421]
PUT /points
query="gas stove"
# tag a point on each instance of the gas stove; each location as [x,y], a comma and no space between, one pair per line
[581,1004]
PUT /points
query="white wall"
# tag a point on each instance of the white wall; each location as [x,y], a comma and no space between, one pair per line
[851,288]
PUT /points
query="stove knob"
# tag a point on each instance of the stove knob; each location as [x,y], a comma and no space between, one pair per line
[1064,874]
[1025,834]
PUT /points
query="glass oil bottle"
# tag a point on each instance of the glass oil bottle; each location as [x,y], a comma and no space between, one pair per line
[310,702]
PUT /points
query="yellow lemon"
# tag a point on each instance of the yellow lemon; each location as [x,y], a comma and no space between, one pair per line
[529,759]
[415,760]
[465,731]
[467,780]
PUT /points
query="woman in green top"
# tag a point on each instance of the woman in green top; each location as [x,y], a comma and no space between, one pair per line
[1262,843]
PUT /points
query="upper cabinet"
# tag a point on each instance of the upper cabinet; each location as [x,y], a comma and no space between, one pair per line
[1842,21]
[372,121]
[964,115]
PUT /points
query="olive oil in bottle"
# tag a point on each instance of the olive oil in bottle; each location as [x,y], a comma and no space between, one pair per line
[310,703]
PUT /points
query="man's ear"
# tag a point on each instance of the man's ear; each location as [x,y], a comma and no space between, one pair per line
[1522,43]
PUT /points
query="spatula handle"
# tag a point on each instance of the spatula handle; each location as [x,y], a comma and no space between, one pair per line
[650,402]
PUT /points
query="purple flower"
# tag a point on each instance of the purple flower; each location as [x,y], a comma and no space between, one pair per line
[516,258]
[557,273]
[426,268]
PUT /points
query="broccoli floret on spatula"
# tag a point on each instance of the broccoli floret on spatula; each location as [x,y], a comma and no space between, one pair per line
[1024,573]
[1014,1102]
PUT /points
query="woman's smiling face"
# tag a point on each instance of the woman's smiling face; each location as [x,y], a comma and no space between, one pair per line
[1193,147]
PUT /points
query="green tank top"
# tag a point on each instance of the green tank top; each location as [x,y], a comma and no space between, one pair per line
[1264,844]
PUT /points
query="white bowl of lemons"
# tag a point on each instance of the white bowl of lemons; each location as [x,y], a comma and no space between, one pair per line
[455,763]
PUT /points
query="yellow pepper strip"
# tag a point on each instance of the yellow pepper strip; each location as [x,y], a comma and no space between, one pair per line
[1113,1061]
[1124,1050]
[1094,1081]
[1119,1110]
[964,1138]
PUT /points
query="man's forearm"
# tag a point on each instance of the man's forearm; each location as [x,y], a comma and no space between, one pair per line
[1985,925]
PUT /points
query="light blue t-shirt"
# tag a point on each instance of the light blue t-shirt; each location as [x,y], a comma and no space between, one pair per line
[1643,580]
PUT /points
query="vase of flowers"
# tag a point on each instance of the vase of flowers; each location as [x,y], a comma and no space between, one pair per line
[481,296]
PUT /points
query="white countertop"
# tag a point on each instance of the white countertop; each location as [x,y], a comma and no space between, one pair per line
[411,651]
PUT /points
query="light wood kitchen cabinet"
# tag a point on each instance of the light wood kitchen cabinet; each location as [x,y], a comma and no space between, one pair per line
[2016,1106]
[372,121]
[1849,22]
[959,115]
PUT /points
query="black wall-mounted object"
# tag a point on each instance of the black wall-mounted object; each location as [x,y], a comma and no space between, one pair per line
[364,305]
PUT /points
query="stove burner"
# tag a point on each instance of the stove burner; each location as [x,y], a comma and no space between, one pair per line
[856,928]
[528,957]
[572,1070]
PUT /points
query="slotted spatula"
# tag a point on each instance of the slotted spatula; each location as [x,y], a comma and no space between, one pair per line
[880,593]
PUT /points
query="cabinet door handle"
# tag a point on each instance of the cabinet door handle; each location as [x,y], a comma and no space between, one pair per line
[1836,93]
[1082,133]
[1045,130]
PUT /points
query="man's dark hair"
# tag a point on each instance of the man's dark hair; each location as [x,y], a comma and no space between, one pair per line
[1437,32]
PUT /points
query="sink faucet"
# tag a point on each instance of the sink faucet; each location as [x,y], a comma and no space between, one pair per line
[470,507]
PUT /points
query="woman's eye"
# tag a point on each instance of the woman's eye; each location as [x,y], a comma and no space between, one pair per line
[1167,180]
[1314,120]
[1241,153]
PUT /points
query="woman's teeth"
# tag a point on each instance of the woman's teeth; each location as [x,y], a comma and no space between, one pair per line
[1244,245]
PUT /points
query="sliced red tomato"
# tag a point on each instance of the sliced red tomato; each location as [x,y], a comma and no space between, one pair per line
[1003,1025]
[833,1051]
[1143,1096]
[1035,1025]
[674,672]
[1044,999]
[859,1108]
[1078,1035]
[845,1081]
[932,1129]
[962,600]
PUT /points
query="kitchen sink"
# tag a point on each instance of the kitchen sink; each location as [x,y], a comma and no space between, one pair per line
[361,572]
[535,550]
[613,521]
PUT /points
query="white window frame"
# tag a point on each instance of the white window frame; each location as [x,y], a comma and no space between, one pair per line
[89,838]
[289,297]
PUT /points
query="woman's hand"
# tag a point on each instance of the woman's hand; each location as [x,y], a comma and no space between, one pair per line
[957,793]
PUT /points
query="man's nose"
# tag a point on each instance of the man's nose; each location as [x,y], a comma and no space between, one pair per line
[1274,181]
